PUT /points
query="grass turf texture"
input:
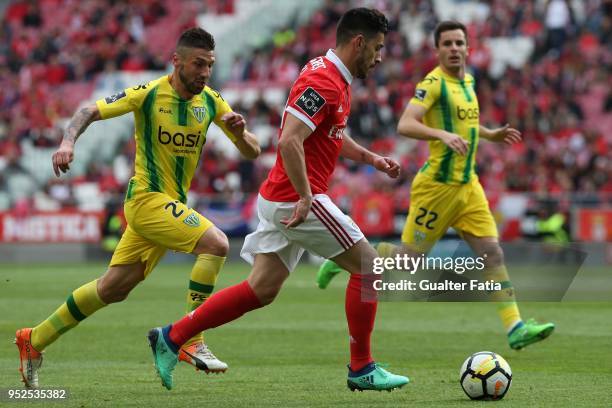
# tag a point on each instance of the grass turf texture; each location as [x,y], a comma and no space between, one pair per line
[294,352]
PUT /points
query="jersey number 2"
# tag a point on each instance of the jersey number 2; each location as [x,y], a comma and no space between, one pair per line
[175,214]
[422,214]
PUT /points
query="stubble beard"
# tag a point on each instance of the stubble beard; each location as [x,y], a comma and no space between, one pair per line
[190,86]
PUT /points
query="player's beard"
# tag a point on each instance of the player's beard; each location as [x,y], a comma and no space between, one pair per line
[363,67]
[189,85]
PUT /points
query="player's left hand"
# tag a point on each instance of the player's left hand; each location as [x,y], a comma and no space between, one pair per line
[506,135]
[235,123]
[387,165]
[300,212]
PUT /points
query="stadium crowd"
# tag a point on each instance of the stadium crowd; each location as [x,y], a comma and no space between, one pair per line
[560,98]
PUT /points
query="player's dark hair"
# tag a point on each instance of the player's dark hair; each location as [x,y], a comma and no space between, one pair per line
[365,21]
[196,38]
[448,25]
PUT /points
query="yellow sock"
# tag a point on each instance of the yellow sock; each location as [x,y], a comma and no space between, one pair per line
[507,309]
[81,303]
[509,315]
[202,283]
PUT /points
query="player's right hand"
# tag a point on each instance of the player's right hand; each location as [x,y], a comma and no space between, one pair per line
[300,212]
[62,158]
[455,142]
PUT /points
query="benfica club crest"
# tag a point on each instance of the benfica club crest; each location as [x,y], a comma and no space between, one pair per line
[199,112]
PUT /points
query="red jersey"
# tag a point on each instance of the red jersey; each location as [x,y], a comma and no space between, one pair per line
[321,98]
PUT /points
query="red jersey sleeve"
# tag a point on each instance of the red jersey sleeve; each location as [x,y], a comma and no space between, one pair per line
[312,98]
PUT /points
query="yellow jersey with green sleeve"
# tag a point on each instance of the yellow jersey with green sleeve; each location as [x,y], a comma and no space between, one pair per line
[170,133]
[451,104]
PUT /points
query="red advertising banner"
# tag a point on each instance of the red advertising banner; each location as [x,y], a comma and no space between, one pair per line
[51,227]
[593,224]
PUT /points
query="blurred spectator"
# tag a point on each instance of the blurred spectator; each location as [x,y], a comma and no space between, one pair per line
[239,69]
[559,18]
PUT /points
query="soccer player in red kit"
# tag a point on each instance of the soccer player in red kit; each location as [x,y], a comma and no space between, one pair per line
[295,213]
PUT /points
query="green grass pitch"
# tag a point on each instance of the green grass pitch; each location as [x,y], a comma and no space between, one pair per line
[294,352]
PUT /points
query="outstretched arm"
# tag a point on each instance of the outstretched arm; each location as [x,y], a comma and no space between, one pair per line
[410,125]
[354,151]
[77,125]
[246,142]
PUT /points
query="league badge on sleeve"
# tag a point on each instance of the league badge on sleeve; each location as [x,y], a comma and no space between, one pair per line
[115,97]
[420,94]
[310,102]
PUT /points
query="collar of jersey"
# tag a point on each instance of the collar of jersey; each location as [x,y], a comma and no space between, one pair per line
[331,55]
[450,78]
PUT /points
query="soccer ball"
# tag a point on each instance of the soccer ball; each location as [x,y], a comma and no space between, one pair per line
[485,376]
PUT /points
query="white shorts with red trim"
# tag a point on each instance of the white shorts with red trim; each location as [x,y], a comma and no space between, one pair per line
[327,232]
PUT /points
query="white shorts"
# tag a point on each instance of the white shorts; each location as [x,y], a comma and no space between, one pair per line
[326,232]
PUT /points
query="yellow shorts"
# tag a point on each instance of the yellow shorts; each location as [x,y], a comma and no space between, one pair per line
[435,206]
[157,222]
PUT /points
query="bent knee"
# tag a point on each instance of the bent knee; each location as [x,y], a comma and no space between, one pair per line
[214,244]
[220,246]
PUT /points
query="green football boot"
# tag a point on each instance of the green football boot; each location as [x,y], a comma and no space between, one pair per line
[528,333]
[326,273]
[164,355]
[374,377]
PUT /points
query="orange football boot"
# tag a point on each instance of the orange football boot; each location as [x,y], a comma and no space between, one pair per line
[30,360]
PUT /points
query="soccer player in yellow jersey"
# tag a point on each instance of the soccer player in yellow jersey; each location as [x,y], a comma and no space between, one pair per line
[172,115]
[446,191]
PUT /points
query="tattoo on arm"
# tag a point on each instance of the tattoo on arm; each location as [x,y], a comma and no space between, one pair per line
[79,123]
